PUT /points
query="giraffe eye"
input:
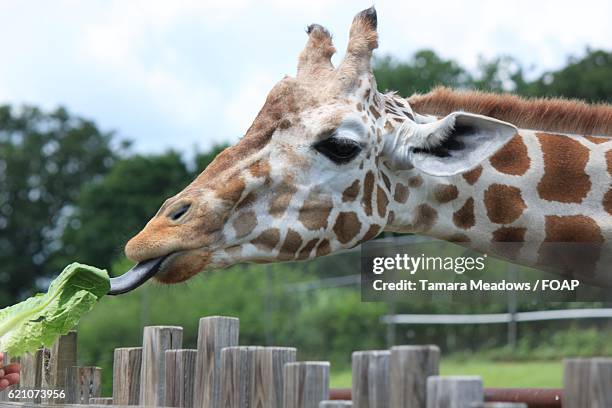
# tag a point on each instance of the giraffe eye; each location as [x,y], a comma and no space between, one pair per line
[338,150]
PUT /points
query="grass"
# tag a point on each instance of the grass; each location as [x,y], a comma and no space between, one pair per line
[539,374]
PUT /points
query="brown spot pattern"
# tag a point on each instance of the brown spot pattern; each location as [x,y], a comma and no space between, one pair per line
[386,180]
[401,193]
[281,199]
[424,218]
[416,181]
[372,232]
[607,201]
[572,244]
[472,176]
[464,217]
[245,223]
[375,112]
[347,226]
[248,200]
[609,161]
[305,252]
[564,177]
[368,190]
[512,158]
[323,248]
[510,241]
[260,168]
[231,190]
[381,202]
[267,240]
[597,140]
[315,211]
[444,193]
[293,242]
[351,192]
[504,203]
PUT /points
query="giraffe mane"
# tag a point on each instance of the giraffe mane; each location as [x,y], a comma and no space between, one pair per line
[546,114]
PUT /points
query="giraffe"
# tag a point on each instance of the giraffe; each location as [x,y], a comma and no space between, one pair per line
[330,162]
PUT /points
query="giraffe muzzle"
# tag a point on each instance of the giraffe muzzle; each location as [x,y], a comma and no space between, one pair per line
[139,274]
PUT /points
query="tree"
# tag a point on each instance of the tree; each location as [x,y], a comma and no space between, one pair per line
[588,78]
[44,160]
[420,73]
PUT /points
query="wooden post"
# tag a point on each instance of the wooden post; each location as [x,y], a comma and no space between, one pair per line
[306,384]
[126,375]
[587,382]
[410,366]
[214,333]
[269,368]
[180,377]
[499,405]
[336,404]
[155,341]
[101,401]
[82,383]
[55,363]
[237,368]
[454,391]
[30,376]
[371,386]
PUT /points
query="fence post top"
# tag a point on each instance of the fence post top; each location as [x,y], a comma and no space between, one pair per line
[371,353]
[308,363]
[206,318]
[424,347]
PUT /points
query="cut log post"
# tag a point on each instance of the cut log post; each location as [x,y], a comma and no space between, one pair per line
[214,334]
[409,368]
[155,341]
[237,379]
[101,401]
[371,386]
[82,383]
[30,376]
[499,405]
[306,384]
[269,375]
[180,377]
[126,375]
[587,382]
[454,391]
[336,404]
[55,364]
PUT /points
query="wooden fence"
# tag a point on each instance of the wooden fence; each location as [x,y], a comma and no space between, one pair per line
[222,374]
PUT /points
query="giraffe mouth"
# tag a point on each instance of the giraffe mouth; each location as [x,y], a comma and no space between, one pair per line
[135,277]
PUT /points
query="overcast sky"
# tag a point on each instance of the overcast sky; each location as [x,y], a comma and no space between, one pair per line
[181,74]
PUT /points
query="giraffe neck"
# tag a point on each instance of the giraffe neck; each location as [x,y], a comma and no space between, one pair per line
[538,190]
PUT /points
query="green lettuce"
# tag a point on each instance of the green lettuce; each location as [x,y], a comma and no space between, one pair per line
[41,319]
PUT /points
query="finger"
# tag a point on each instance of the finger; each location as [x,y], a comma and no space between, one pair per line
[12,368]
[1,357]
[3,384]
[1,372]
[12,378]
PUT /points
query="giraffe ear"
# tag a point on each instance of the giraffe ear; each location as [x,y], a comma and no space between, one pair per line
[363,39]
[316,55]
[452,145]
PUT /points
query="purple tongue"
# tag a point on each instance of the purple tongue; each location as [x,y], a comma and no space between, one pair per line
[139,274]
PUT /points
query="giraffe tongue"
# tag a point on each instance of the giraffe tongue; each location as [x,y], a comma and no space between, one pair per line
[139,274]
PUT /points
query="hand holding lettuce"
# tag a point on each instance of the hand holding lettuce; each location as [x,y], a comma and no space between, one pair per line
[41,319]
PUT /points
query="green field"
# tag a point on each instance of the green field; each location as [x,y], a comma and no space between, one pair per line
[539,374]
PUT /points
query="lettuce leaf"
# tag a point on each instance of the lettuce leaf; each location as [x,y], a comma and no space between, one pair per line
[41,319]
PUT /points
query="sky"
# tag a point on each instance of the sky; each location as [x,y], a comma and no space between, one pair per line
[186,75]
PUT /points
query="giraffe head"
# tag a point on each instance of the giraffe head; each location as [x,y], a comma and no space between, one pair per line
[309,176]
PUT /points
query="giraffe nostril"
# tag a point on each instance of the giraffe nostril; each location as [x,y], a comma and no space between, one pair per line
[177,213]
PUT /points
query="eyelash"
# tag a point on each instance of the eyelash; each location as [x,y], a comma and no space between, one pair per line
[338,150]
